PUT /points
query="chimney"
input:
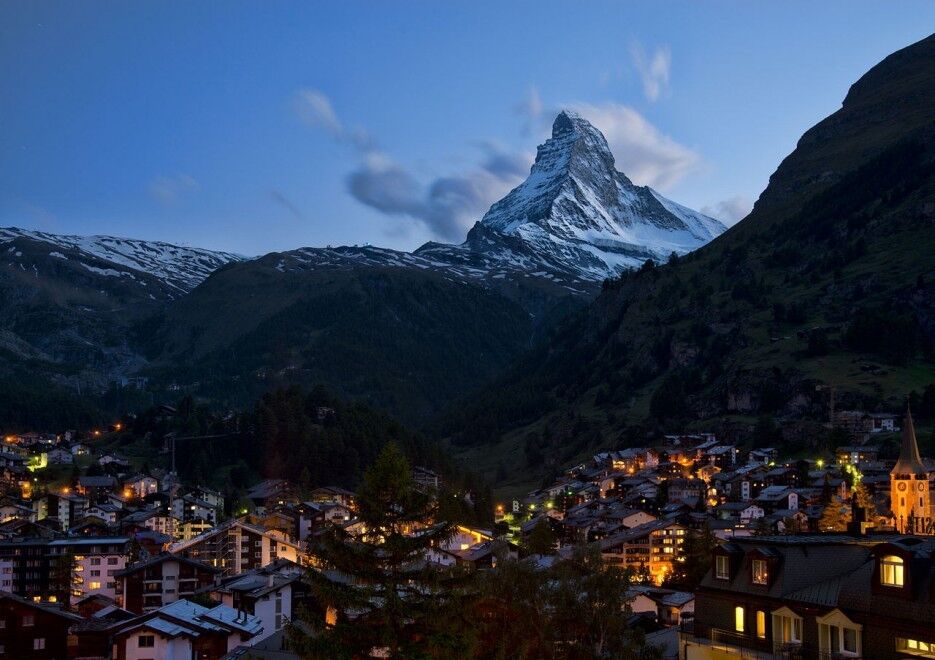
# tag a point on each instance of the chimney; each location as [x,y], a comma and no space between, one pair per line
[269,580]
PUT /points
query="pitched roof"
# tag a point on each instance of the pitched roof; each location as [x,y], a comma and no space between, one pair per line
[909,462]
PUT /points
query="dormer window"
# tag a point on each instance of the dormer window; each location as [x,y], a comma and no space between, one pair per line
[722,567]
[892,571]
[760,571]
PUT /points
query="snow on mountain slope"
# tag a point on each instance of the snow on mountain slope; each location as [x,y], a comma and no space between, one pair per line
[577,213]
[574,221]
[181,268]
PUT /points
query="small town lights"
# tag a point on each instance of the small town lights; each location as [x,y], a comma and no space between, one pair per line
[118,426]
[820,463]
[96,433]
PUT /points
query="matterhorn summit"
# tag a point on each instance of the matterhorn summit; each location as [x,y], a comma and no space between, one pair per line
[576,217]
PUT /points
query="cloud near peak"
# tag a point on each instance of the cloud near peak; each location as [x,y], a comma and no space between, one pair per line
[653,69]
[447,206]
[642,152]
[169,189]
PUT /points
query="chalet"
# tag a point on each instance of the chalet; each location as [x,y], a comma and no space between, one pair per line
[763,456]
[190,507]
[773,498]
[272,492]
[60,456]
[818,596]
[667,605]
[80,449]
[31,630]
[857,455]
[425,479]
[686,490]
[156,520]
[235,547]
[332,494]
[10,509]
[189,529]
[152,583]
[214,498]
[96,487]
[723,456]
[654,547]
[271,594]
[486,554]
[56,570]
[141,485]
[113,460]
[184,629]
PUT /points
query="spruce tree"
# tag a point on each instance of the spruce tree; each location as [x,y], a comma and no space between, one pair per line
[386,598]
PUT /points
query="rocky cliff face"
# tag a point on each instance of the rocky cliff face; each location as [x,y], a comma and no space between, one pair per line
[576,219]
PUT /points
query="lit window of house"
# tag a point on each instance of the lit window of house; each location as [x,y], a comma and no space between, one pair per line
[891,571]
[838,635]
[761,624]
[916,647]
[787,626]
[738,619]
[722,568]
[760,571]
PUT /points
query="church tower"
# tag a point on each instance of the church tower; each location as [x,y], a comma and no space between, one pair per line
[910,500]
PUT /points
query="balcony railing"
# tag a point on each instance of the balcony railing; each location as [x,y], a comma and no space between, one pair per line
[753,648]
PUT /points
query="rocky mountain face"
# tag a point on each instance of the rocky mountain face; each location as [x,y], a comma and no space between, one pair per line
[576,219]
[828,282]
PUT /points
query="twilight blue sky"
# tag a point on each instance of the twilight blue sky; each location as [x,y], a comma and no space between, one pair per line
[259,126]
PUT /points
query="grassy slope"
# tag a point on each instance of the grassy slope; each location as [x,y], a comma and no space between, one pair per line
[618,335]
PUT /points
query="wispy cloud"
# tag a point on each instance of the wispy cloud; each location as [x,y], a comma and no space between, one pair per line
[530,109]
[169,189]
[642,152]
[315,109]
[730,210]
[653,69]
[280,198]
[446,205]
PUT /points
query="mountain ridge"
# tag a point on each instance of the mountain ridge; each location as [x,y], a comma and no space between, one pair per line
[826,284]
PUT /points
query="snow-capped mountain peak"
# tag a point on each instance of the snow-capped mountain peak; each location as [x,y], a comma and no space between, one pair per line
[577,214]
[181,268]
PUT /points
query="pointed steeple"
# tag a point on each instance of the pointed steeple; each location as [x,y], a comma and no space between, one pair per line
[909,460]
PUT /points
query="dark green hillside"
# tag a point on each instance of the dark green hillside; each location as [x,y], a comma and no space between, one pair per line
[829,281]
[403,340]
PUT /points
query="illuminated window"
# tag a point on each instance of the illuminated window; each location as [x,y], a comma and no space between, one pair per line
[761,624]
[787,627]
[760,573]
[891,571]
[738,619]
[722,568]
[95,585]
[916,647]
